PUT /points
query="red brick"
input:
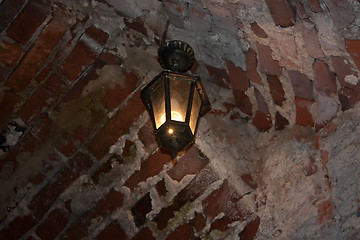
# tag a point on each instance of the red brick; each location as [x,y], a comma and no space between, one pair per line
[43,128]
[110,59]
[300,10]
[54,223]
[127,149]
[97,34]
[247,178]
[116,126]
[161,188]
[302,85]
[221,224]
[218,76]
[325,210]
[343,68]
[68,148]
[8,10]
[184,231]
[147,136]
[37,55]
[261,103]
[282,12]
[27,22]
[219,200]
[114,96]
[199,222]
[36,105]
[251,66]
[80,162]
[136,24]
[280,122]
[7,105]
[258,30]
[238,77]
[18,227]
[242,102]
[311,40]
[149,168]
[10,53]
[249,232]
[303,115]
[79,229]
[112,232]
[4,73]
[140,209]
[55,85]
[110,202]
[338,11]
[276,89]
[348,98]
[48,195]
[80,58]
[190,163]
[324,79]
[191,192]
[314,6]
[267,64]
[144,234]
[40,177]
[262,121]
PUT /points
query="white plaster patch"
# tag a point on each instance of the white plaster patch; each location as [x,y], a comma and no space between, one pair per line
[352,79]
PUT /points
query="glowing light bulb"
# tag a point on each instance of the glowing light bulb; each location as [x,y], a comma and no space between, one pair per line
[174,116]
[171,131]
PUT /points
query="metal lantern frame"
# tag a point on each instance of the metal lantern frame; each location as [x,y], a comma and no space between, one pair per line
[174,99]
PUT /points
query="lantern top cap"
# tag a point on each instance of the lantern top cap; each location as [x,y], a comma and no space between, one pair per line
[176,55]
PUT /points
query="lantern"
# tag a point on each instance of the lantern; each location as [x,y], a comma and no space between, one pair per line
[174,99]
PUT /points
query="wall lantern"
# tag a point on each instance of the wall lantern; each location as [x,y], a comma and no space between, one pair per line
[175,100]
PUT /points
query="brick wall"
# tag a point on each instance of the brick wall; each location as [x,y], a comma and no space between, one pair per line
[78,156]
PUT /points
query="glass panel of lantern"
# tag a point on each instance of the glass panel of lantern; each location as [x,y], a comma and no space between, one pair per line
[157,97]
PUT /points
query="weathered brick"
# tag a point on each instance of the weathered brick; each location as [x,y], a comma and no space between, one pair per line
[140,209]
[184,231]
[242,102]
[97,34]
[7,105]
[144,233]
[199,221]
[116,126]
[176,12]
[34,59]
[18,227]
[10,53]
[280,122]
[251,66]
[303,115]
[4,73]
[261,103]
[106,167]
[262,121]
[116,95]
[250,230]
[276,89]
[258,30]
[149,168]
[219,200]
[190,163]
[348,97]
[267,64]
[302,85]
[238,77]
[343,70]
[248,179]
[110,202]
[325,211]
[43,128]
[300,10]
[112,232]
[55,85]
[282,12]
[147,136]
[222,16]
[192,191]
[314,5]
[136,24]
[161,188]
[221,224]
[218,76]
[324,79]
[8,10]
[200,22]
[311,40]
[54,223]
[80,162]
[36,105]
[29,19]
[353,47]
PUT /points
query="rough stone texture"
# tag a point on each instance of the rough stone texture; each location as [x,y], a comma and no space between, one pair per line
[275,158]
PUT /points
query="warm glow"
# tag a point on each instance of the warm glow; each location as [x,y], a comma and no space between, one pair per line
[171,131]
[174,116]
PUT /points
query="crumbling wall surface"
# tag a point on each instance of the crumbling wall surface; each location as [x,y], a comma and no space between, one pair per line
[276,157]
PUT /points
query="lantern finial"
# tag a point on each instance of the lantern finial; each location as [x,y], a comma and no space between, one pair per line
[176,55]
